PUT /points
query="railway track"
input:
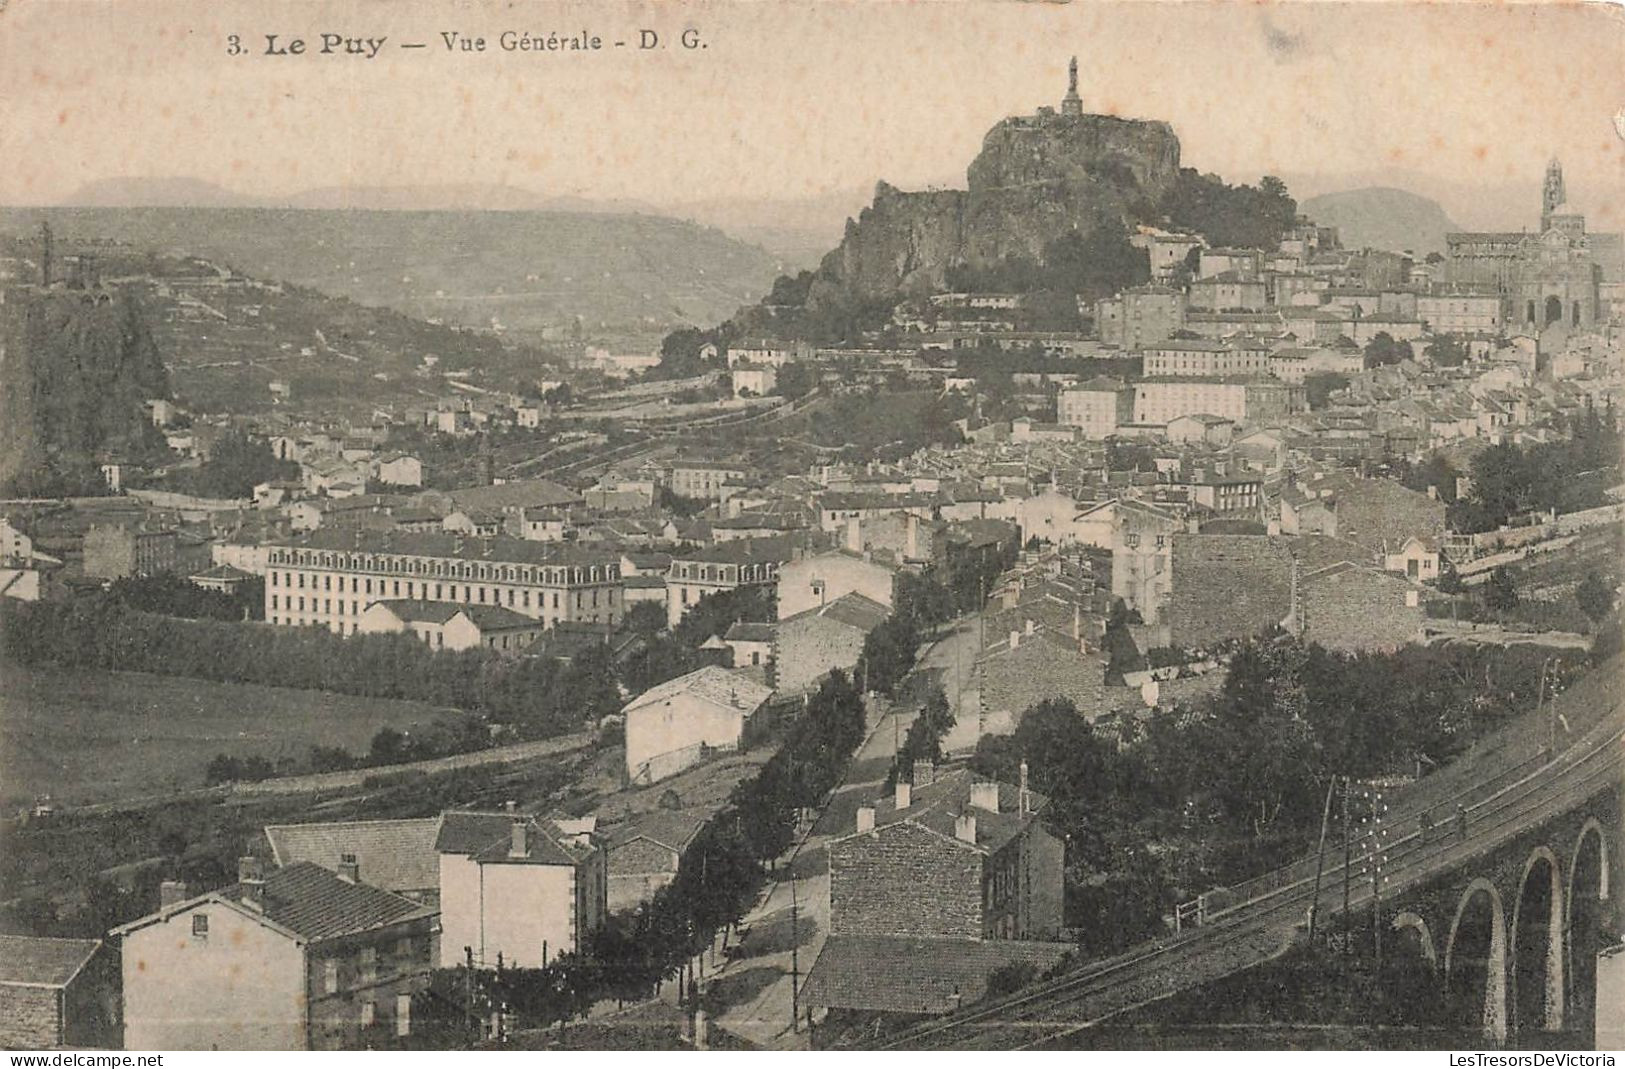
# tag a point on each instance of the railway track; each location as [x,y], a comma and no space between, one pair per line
[1263,927]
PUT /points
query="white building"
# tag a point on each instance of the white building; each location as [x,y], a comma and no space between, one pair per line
[675,725]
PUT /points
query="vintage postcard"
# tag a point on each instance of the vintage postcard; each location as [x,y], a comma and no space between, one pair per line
[812,526]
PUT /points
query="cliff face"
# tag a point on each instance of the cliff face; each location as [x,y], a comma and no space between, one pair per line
[1036,178]
[74,372]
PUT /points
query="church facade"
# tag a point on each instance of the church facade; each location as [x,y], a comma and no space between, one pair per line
[1550,280]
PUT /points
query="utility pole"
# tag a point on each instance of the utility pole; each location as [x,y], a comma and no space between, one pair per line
[1320,860]
[795,964]
[1346,862]
[1377,834]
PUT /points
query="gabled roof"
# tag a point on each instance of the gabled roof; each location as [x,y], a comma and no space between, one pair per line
[935,806]
[852,609]
[36,961]
[484,617]
[748,631]
[397,855]
[712,684]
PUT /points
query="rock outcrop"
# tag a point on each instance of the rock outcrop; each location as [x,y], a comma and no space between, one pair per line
[75,367]
[1036,178]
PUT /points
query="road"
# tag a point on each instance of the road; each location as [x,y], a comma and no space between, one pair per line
[755,982]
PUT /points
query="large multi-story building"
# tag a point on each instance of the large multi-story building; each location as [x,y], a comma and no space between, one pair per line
[1099,406]
[1242,399]
[1461,310]
[1198,356]
[119,551]
[329,577]
[1140,316]
[724,566]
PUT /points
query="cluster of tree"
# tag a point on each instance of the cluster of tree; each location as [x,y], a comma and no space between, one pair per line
[1073,266]
[1241,216]
[536,697]
[237,463]
[57,478]
[664,656]
[1122,652]
[1320,385]
[991,363]
[924,739]
[795,380]
[1240,778]
[680,356]
[1382,350]
[958,584]
[889,652]
[1446,350]
[171,595]
[1566,475]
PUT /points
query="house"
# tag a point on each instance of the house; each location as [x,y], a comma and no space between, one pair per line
[298,958]
[1034,663]
[750,644]
[808,645]
[395,855]
[512,885]
[676,724]
[119,551]
[703,481]
[1099,407]
[222,578]
[819,578]
[1355,608]
[1417,559]
[474,522]
[1201,428]
[57,993]
[949,868]
[645,852]
[1142,546]
[754,381]
[398,469]
[449,626]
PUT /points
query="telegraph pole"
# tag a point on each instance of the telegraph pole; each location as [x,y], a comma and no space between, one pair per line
[1346,862]
[795,966]
[1376,875]
[1320,860]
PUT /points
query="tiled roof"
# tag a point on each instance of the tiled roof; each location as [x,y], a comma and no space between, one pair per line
[31,960]
[484,617]
[937,805]
[711,683]
[314,903]
[902,975]
[397,855]
[674,828]
[778,548]
[852,609]
[521,493]
[464,832]
[747,631]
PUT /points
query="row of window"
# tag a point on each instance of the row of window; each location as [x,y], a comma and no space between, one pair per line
[723,573]
[450,569]
[469,594]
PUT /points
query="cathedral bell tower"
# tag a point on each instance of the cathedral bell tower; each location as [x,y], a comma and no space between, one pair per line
[1072,104]
[1552,197]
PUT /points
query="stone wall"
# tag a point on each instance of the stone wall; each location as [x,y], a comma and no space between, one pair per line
[29,1018]
[902,880]
[1227,586]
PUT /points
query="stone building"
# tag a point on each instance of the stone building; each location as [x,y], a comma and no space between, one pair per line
[57,993]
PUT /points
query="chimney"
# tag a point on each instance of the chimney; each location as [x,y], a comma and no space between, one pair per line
[1023,801]
[965,827]
[171,892]
[854,535]
[866,818]
[904,790]
[516,847]
[985,796]
[251,876]
[911,549]
[349,868]
[1433,493]
[925,773]
[1027,627]
[510,806]
[1015,639]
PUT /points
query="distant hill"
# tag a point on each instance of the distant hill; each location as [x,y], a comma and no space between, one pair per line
[630,278]
[156,192]
[1383,218]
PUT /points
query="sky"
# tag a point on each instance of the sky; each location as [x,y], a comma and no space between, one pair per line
[798,99]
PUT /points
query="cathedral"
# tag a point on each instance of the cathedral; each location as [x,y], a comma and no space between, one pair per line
[1550,281]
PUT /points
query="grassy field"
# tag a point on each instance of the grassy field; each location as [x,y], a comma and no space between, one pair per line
[84,736]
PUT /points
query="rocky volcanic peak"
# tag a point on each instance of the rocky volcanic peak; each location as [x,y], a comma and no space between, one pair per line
[1036,178]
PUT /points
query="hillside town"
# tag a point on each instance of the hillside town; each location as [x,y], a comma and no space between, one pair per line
[794,684]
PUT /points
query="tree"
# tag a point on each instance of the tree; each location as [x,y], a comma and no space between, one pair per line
[1501,592]
[645,618]
[1320,385]
[1595,597]
[794,380]
[1382,349]
[1446,350]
